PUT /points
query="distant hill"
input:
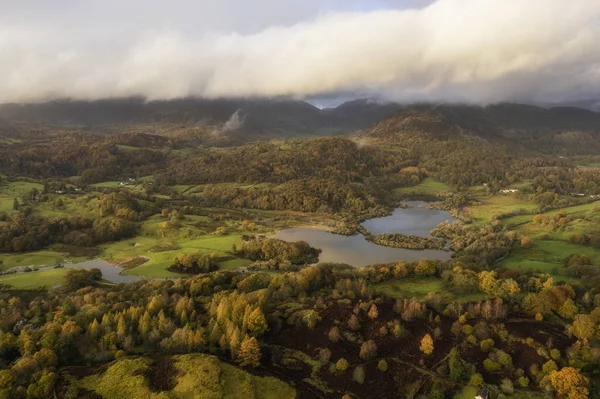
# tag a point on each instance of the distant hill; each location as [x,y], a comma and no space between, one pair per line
[514,125]
[256,118]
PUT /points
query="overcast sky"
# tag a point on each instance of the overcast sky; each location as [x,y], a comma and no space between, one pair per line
[440,50]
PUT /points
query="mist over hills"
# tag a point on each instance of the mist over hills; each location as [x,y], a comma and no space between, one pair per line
[255,117]
[264,119]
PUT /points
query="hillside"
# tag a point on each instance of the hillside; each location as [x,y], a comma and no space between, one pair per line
[523,127]
[238,118]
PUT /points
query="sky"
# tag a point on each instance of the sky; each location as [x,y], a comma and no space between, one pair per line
[477,51]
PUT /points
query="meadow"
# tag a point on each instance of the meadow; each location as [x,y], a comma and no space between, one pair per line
[420,287]
[428,186]
[179,377]
[34,280]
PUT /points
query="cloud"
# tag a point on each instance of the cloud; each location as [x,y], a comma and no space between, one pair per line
[450,50]
[234,123]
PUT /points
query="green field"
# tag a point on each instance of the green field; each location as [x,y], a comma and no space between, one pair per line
[196,376]
[10,191]
[37,258]
[428,186]
[548,256]
[488,207]
[160,261]
[420,287]
[33,280]
[552,247]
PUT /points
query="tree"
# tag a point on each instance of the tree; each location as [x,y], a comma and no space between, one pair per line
[476,380]
[373,312]
[549,367]
[16,204]
[427,345]
[43,387]
[368,350]
[487,344]
[257,324]
[359,374]
[526,242]
[353,323]
[568,310]
[342,364]
[334,334]
[249,353]
[583,326]
[569,383]
[382,365]
[507,386]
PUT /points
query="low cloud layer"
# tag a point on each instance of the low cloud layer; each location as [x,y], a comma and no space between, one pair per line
[451,50]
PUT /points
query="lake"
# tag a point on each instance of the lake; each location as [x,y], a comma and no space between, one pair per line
[416,221]
[357,251]
[109,271]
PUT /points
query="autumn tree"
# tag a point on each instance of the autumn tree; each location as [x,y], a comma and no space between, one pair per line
[368,350]
[583,327]
[359,374]
[342,364]
[426,344]
[257,324]
[382,365]
[353,323]
[249,353]
[569,383]
[373,312]
[334,334]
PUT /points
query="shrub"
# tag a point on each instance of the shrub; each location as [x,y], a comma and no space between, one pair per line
[382,365]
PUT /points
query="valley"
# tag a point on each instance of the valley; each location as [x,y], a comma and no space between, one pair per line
[430,253]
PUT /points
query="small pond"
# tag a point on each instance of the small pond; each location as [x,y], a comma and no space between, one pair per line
[357,251]
[109,271]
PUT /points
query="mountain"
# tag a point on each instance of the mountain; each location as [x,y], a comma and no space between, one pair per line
[260,118]
[518,126]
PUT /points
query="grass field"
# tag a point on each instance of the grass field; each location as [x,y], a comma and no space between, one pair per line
[552,247]
[548,256]
[10,191]
[37,258]
[160,261]
[427,186]
[488,207]
[32,280]
[197,376]
[420,287]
